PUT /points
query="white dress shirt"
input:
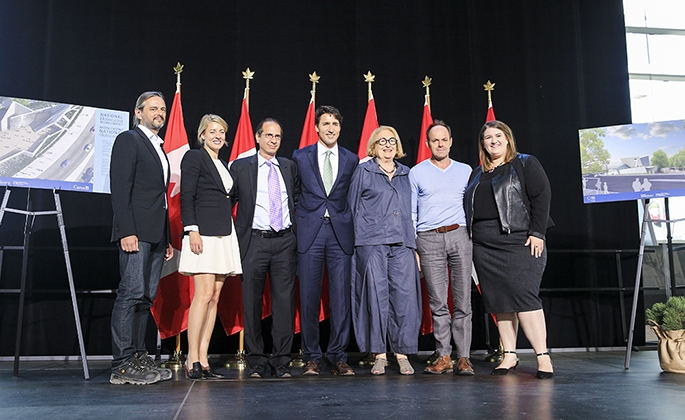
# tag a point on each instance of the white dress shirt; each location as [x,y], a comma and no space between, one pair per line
[261,220]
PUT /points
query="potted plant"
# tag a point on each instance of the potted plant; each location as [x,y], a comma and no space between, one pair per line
[668,323]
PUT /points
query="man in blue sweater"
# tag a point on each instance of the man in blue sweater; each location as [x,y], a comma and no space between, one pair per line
[442,241]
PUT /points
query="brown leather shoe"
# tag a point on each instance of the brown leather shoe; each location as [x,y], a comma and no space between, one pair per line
[442,365]
[343,369]
[464,367]
[312,368]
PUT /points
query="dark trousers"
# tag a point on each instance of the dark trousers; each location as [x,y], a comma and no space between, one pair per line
[276,257]
[140,272]
[325,251]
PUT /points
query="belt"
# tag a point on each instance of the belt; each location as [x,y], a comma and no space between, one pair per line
[445,229]
[271,233]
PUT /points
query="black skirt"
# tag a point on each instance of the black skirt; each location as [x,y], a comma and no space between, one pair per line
[509,276]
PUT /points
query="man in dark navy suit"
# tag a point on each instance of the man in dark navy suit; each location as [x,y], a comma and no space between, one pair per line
[325,238]
[139,175]
[266,189]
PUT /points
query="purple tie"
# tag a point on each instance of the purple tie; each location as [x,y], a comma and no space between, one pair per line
[275,210]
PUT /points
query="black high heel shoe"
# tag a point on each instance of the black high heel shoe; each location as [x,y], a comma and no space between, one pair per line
[195,372]
[541,373]
[506,371]
[208,373]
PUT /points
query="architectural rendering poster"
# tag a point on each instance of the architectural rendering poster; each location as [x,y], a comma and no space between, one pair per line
[632,162]
[57,146]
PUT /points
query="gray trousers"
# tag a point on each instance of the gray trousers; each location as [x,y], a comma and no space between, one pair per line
[438,252]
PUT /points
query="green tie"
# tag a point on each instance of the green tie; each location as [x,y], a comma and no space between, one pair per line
[327,172]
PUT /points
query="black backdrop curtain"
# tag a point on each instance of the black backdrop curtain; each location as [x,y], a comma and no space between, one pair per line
[558,67]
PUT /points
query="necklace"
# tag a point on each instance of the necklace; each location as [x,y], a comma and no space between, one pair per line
[495,167]
[394,168]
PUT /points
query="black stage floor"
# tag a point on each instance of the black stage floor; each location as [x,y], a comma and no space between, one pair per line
[586,385]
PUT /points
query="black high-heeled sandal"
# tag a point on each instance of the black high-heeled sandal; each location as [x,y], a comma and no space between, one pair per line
[505,371]
[195,372]
[541,373]
[208,373]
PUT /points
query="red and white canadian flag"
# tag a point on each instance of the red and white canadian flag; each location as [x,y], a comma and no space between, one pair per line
[370,124]
[426,120]
[230,308]
[175,291]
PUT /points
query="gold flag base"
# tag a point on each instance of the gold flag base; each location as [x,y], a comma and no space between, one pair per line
[369,360]
[432,358]
[496,357]
[175,362]
[238,362]
[298,361]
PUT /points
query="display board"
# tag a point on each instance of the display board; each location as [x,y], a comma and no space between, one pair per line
[57,146]
[633,162]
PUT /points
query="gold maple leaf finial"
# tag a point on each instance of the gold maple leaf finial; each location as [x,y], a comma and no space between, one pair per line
[427,81]
[314,78]
[489,87]
[248,74]
[177,71]
[369,78]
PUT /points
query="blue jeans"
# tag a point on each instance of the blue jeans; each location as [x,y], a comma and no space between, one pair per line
[140,272]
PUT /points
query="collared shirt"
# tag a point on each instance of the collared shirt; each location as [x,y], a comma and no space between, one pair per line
[321,154]
[157,145]
[437,195]
[261,218]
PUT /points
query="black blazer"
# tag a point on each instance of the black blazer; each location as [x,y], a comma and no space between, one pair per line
[244,192]
[204,199]
[138,189]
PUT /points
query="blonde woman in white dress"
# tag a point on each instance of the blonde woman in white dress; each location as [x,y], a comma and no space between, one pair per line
[210,247]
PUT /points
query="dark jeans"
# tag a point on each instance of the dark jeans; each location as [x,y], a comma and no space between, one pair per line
[140,272]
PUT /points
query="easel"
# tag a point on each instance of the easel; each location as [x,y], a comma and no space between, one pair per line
[28,226]
[646,220]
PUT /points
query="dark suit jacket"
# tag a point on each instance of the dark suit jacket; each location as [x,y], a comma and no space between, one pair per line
[313,201]
[244,192]
[138,189]
[204,200]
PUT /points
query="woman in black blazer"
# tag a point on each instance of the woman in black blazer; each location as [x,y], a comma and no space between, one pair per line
[210,248]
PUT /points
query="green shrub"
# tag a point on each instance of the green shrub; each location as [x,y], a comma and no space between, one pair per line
[670,315]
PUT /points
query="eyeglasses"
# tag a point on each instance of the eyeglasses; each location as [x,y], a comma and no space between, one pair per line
[383,141]
[271,136]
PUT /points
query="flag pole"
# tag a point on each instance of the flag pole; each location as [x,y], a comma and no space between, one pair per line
[176,360]
[247,75]
[498,354]
[240,361]
[314,78]
[369,78]
[298,361]
[489,87]
[426,84]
